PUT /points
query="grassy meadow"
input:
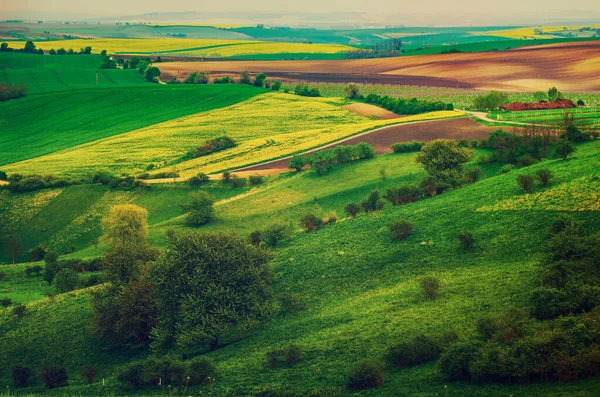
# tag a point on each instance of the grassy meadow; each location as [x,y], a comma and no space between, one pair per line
[359,287]
[266,127]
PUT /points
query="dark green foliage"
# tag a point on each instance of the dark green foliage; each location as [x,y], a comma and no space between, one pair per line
[255,238]
[455,361]
[123,317]
[152,74]
[255,180]
[212,146]
[506,168]
[208,284]
[311,222]
[526,161]
[5,302]
[259,80]
[407,147]
[352,209]
[273,234]
[28,183]
[352,91]
[164,371]
[473,174]
[237,182]
[324,160]
[51,266]
[526,182]
[509,147]
[3,176]
[287,356]
[413,352]
[444,159]
[199,208]
[574,134]
[297,162]
[226,177]
[132,376]
[466,238]
[21,376]
[37,270]
[492,101]
[224,80]
[201,371]
[429,286]
[544,175]
[580,102]
[276,86]
[55,376]
[366,375]
[244,77]
[406,106]
[399,230]
[19,310]
[89,373]
[403,194]
[564,149]
[194,181]
[373,202]
[291,302]
[305,90]
[66,280]
[430,186]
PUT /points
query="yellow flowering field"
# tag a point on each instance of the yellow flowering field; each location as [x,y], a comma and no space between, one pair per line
[530,32]
[265,127]
[578,195]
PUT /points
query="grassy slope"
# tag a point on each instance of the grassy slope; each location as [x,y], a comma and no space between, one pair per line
[360,287]
[62,120]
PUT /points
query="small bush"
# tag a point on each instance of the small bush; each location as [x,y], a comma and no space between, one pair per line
[564,149]
[507,168]
[201,371]
[275,233]
[473,175]
[19,310]
[429,286]
[66,280]
[289,355]
[416,351]
[373,202]
[467,240]
[311,222]
[526,182]
[226,177]
[407,147]
[430,186]
[399,230]
[237,182]
[352,210]
[255,238]
[21,376]
[297,162]
[454,362]
[526,161]
[164,370]
[544,175]
[199,208]
[366,375]
[255,180]
[331,218]
[291,302]
[89,373]
[194,181]
[5,302]
[55,376]
[213,145]
[403,195]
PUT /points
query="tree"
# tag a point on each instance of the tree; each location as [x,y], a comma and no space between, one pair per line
[540,96]
[51,261]
[429,286]
[429,186]
[526,182]
[544,175]
[199,208]
[124,317]
[554,94]
[87,50]
[142,66]
[443,159]
[466,238]
[66,281]
[373,202]
[259,80]
[276,86]
[3,47]
[297,162]
[14,247]
[152,74]
[89,373]
[399,230]
[564,149]
[492,101]
[52,51]
[244,77]
[311,222]
[208,284]
[352,91]
[29,47]
[352,210]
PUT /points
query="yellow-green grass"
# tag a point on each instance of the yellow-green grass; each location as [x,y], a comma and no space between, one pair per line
[189,47]
[534,31]
[265,127]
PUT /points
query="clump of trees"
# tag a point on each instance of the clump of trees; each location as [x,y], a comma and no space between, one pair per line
[443,159]
[492,101]
[213,145]
[29,48]
[324,160]
[11,91]
[407,147]
[366,375]
[404,106]
[169,371]
[305,90]
[197,78]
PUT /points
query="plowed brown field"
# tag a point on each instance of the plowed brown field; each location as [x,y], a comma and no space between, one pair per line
[570,66]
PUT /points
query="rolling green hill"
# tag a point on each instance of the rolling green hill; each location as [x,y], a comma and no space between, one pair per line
[359,287]
[60,120]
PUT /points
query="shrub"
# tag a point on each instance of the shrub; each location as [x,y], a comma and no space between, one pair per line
[544,175]
[526,161]
[352,91]
[297,162]
[288,355]
[444,159]
[255,238]
[331,218]
[223,80]
[430,186]
[466,238]
[226,177]
[132,376]
[276,86]
[55,376]
[416,351]
[199,208]
[12,91]
[89,373]
[292,302]
[464,142]
[407,147]
[526,182]
[37,254]
[201,371]
[506,168]
[373,202]
[66,280]
[19,310]
[403,195]
[194,181]
[3,176]
[366,375]
[455,361]
[311,222]
[429,286]
[352,210]
[399,230]
[21,376]
[472,175]
[564,149]
[237,182]
[275,233]
[213,145]
[5,302]
[164,370]
[255,180]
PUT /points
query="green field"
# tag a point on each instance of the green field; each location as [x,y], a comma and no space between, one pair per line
[585,117]
[61,120]
[359,286]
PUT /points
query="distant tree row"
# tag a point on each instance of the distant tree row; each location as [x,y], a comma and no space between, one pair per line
[29,48]
[403,106]
[61,51]
[384,49]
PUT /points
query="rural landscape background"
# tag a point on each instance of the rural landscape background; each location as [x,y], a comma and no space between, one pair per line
[308,199]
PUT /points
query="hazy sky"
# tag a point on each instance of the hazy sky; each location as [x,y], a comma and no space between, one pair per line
[435,9]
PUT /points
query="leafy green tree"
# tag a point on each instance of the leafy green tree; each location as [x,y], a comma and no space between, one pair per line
[199,208]
[373,202]
[526,182]
[443,159]
[152,74]
[66,280]
[3,47]
[276,86]
[544,175]
[273,234]
[352,91]
[87,50]
[52,51]
[208,284]
[142,66]
[554,94]
[297,162]
[540,96]
[564,149]
[352,210]
[51,266]
[311,222]
[259,80]
[492,101]
[29,47]
[244,77]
